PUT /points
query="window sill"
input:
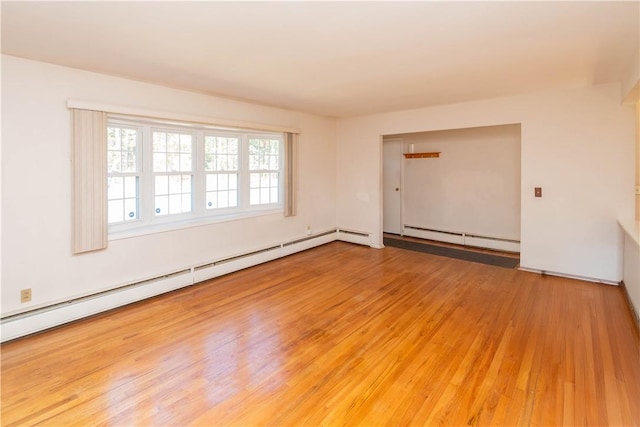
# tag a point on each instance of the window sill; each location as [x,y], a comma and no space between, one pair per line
[189,223]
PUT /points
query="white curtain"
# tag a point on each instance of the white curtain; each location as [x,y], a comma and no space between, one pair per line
[89,177]
[290,173]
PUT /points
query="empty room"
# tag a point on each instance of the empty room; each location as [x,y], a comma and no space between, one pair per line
[320,213]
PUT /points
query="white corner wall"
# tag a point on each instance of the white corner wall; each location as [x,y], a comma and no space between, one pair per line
[576,144]
[473,187]
[36,187]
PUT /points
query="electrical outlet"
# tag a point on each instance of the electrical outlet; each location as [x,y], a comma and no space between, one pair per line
[309,230]
[25,295]
[537,191]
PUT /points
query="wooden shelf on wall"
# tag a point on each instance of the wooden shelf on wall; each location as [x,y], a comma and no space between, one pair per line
[422,155]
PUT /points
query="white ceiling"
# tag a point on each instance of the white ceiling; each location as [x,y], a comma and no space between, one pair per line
[335,58]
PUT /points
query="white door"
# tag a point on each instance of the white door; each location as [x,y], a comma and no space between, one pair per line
[391,186]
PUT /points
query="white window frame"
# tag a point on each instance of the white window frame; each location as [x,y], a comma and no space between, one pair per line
[228,210]
[139,174]
[148,223]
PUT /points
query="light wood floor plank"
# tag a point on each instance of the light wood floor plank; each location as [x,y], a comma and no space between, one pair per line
[340,335]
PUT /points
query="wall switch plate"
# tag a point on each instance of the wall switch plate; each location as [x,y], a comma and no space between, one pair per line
[537,191]
[25,295]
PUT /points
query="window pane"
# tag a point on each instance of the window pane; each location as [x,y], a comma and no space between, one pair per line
[185,143]
[173,143]
[273,163]
[185,163]
[130,209]
[209,160]
[225,163]
[254,196]
[233,163]
[113,139]
[212,182]
[115,211]
[221,153]
[162,185]
[115,188]
[275,144]
[209,144]
[129,139]
[114,161]
[233,198]
[129,161]
[223,181]
[161,205]
[274,195]
[264,195]
[274,179]
[233,181]
[254,146]
[175,184]
[264,180]
[186,184]
[223,201]
[212,200]
[175,203]
[173,162]
[222,145]
[159,162]
[159,141]
[254,180]
[186,203]
[131,186]
[233,146]
[254,163]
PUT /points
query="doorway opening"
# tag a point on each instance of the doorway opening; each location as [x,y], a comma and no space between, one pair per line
[466,194]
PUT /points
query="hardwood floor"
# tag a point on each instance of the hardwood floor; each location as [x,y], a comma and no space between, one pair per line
[340,335]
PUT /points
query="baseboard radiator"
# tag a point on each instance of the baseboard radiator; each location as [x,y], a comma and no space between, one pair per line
[353,236]
[462,238]
[39,319]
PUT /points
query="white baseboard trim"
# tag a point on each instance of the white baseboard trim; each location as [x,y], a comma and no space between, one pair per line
[352,236]
[40,319]
[463,238]
[230,265]
[569,276]
[19,325]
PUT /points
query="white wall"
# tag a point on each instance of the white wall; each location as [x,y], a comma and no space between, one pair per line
[576,144]
[36,186]
[473,187]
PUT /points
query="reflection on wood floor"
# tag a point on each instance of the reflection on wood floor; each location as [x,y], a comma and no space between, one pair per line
[340,334]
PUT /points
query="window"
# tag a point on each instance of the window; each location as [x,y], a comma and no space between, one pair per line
[123,168]
[221,166]
[264,170]
[169,173]
[172,172]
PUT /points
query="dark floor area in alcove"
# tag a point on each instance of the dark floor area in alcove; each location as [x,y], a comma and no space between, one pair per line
[462,254]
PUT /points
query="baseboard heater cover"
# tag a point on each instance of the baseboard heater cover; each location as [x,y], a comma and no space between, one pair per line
[228,265]
[569,276]
[353,236]
[463,238]
[42,318]
[37,320]
[453,233]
